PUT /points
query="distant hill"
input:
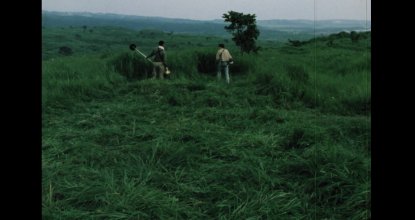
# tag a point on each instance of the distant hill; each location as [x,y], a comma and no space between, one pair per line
[279,30]
[322,27]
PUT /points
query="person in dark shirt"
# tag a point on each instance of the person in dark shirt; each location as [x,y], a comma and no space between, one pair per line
[159,60]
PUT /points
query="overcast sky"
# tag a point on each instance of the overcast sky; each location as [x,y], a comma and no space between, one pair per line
[214,9]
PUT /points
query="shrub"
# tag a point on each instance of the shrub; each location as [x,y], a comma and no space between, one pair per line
[354,36]
[65,51]
[297,74]
[206,62]
[295,43]
[242,65]
[357,105]
[131,66]
[273,85]
[299,79]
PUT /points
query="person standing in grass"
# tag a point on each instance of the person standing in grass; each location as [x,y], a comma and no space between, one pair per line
[159,61]
[223,59]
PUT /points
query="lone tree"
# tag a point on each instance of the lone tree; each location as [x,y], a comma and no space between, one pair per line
[244,30]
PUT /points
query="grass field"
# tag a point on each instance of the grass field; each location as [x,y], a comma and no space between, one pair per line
[289,138]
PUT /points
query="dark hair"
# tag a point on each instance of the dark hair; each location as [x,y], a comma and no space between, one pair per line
[222,45]
[161,43]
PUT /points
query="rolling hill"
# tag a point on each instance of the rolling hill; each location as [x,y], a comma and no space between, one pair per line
[279,30]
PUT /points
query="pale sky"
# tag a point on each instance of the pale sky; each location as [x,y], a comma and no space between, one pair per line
[214,9]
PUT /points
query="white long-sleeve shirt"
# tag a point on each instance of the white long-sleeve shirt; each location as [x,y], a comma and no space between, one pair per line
[223,55]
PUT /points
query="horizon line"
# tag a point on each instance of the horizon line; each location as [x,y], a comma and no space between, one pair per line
[192,19]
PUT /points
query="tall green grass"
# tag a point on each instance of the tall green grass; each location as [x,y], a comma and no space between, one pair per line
[71,79]
[285,140]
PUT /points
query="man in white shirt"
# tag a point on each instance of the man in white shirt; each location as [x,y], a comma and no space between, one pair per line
[223,59]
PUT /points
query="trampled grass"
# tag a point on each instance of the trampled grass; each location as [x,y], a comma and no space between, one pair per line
[190,147]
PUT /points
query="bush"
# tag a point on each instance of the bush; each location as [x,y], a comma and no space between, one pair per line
[297,74]
[65,51]
[295,43]
[273,85]
[132,66]
[299,81]
[357,105]
[206,62]
[354,36]
[242,65]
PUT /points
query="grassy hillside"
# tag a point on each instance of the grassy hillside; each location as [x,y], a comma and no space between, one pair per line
[289,138]
[106,40]
[279,30]
[59,19]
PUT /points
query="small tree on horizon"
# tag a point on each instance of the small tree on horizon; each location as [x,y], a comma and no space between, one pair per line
[244,30]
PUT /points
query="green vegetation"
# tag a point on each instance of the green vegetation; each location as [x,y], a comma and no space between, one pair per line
[280,30]
[289,138]
[244,30]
